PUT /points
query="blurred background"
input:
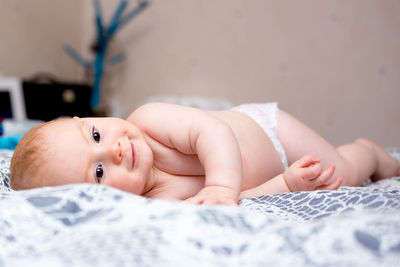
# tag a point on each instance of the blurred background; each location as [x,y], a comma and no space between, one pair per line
[335,65]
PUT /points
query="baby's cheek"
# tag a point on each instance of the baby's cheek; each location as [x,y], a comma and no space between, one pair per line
[115,182]
[126,184]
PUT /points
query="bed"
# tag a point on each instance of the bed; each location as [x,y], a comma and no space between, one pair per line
[85,225]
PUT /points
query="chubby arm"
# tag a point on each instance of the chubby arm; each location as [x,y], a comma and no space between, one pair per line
[196,132]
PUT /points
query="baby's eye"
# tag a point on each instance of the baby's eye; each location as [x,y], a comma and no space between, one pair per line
[99,172]
[96,135]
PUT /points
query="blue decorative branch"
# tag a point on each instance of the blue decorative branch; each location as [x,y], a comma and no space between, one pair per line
[104,36]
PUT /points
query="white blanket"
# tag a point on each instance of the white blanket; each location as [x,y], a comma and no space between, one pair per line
[93,225]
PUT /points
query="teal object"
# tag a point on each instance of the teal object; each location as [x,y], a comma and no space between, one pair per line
[9,142]
[104,36]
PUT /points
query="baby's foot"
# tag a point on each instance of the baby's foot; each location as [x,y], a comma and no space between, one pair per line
[387,165]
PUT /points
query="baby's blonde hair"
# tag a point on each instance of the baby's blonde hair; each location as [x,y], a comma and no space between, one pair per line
[29,157]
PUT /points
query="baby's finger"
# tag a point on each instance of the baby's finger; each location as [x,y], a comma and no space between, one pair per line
[189,200]
[209,202]
[326,177]
[333,186]
[311,172]
[305,161]
[221,201]
[192,200]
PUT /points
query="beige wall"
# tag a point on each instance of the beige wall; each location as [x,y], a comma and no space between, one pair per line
[333,64]
[32,34]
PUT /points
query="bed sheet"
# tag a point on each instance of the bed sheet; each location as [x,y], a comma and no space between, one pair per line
[94,225]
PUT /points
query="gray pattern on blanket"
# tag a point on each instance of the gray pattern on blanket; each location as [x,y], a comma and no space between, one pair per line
[81,225]
[5,157]
[304,206]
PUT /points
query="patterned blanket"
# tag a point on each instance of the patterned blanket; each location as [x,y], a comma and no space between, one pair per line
[94,225]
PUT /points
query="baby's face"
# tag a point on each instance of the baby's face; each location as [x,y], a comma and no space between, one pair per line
[109,151]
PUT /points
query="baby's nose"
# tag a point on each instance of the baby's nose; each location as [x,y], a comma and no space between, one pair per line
[116,152]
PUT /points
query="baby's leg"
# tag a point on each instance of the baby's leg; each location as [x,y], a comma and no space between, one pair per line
[387,166]
[354,162]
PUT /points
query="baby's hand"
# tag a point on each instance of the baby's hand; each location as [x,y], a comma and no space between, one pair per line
[215,195]
[306,174]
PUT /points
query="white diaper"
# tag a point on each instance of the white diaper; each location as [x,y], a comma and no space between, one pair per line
[265,116]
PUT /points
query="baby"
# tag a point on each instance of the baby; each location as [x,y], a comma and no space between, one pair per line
[168,151]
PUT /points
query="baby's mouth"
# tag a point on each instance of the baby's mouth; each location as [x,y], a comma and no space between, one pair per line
[133,155]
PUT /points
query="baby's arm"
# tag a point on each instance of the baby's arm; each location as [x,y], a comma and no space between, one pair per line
[196,132]
[305,174]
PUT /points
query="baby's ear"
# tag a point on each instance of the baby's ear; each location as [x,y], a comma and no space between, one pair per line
[75,117]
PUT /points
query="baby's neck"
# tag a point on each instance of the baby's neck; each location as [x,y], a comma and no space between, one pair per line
[157,179]
[163,185]
[150,182]
[156,183]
